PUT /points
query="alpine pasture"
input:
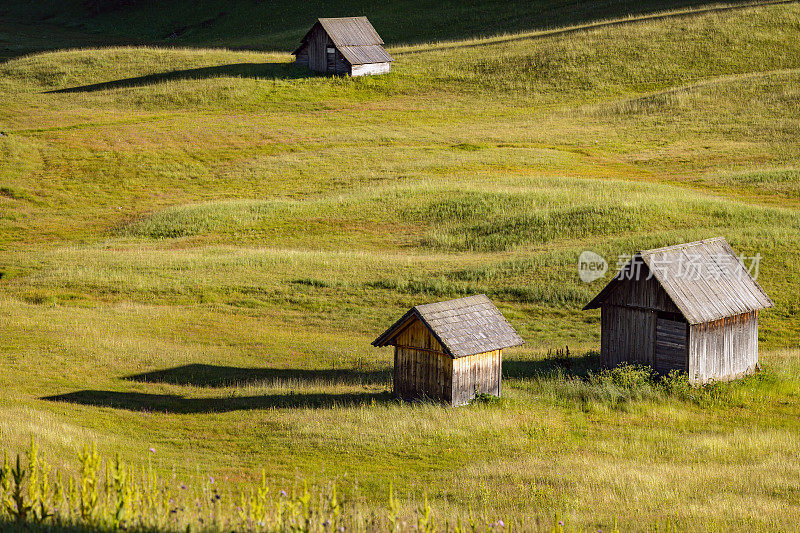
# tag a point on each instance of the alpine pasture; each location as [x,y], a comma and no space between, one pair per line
[199,241]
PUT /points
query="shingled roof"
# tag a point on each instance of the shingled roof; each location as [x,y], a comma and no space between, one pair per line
[355,38]
[465,326]
[706,280]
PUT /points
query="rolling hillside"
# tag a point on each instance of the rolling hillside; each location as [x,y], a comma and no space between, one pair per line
[278,25]
[198,241]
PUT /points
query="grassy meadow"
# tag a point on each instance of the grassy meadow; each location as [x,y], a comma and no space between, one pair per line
[198,242]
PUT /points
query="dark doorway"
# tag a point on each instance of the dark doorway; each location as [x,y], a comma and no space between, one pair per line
[672,349]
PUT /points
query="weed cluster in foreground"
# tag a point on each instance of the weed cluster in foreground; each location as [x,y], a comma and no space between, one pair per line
[112,495]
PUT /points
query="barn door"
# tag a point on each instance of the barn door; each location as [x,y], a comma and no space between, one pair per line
[671,351]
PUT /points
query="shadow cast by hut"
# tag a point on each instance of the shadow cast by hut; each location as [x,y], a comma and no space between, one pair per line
[175,404]
[557,363]
[276,70]
[203,375]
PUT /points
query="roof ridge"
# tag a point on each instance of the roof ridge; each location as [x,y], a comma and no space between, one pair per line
[342,18]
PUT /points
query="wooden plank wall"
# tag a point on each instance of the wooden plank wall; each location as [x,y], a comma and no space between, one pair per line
[416,335]
[302,57]
[724,349]
[645,293]
[627,335]
[628,321]
[421,367]
[480,372]
[317,44]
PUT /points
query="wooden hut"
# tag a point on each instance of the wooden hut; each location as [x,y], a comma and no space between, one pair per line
[449,351]
[691,307]
[348,45]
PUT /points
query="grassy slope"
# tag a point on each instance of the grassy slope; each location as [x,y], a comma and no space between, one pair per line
[222,208]
[280,24]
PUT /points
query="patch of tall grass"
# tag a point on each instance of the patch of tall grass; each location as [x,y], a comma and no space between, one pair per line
[782,181]
[470,220]
[191,220]
[484,222]
[442,287]
[581,381]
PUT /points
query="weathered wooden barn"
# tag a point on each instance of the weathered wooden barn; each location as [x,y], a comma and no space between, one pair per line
[691,307]
[348,45]
[449,351]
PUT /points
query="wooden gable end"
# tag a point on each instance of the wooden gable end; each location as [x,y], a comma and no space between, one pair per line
[416,335]
[644,293]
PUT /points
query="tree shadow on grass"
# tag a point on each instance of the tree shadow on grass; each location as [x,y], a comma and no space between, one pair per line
[567,365]
[202,375]
[237,70]
[174,404]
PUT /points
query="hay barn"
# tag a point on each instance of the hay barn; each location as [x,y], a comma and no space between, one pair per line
[449,351]
[348,45]
[691,307]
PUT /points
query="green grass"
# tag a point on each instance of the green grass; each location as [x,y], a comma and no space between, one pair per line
[784,182]
[198,244]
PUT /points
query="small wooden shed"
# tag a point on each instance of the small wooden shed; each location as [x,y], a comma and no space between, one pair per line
[449,351]
[347,45]
[691,307]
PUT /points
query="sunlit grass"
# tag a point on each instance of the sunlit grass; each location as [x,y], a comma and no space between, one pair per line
[197,246]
